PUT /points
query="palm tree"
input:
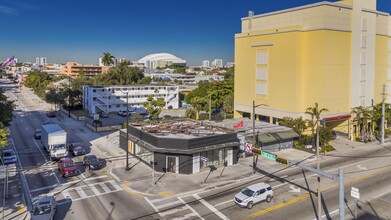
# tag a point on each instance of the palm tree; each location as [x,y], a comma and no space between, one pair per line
[315,113]
[362,116]
[107,59]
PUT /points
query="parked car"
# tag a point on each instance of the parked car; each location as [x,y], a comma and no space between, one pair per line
[48,122]
[253,194]
[67,167]
[51,114]
[77,149]
[93,163]
[37,133]
[8,156]
[44,208]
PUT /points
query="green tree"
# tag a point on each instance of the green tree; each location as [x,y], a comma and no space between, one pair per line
[154,106]
[314,113]
[361,117]
[120,75]
[6,109]
[3,136]
[55,97]
[38,81]
[299,125]
[107,59]
[377,114]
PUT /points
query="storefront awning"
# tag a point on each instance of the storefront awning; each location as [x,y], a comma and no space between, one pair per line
[337,118]
[274,137]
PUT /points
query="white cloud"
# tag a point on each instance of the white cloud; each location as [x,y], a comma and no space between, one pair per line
[8,10]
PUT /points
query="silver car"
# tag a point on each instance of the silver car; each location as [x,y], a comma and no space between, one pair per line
[253,194]
[44,209]
[8,156]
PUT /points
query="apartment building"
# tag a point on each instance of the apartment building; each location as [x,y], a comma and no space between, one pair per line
[337,54]
[115,98]
[74,69]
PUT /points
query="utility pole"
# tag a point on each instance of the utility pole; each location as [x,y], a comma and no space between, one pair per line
[254,141]
[384,95]
[318,168]
[210,107]
[127,130]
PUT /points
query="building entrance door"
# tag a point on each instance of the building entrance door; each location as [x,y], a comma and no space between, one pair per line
[171,164]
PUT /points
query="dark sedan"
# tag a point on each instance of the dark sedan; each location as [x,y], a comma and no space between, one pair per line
[51,114]
[37,134]
[93,163]
[76,149]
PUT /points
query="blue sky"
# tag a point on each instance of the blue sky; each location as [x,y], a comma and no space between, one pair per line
[81,30]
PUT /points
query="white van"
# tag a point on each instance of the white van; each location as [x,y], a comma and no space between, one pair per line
[253,194]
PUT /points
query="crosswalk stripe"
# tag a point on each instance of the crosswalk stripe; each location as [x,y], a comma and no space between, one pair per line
[95,190]
[115,185]
[66,194]
[171,211]
[81,193]
[104,187]
[185,216]
[194,211]
[168,204]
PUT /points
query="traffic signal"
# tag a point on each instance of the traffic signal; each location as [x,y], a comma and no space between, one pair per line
[282,160]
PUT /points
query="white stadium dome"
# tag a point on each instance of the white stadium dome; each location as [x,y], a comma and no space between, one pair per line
[161,57]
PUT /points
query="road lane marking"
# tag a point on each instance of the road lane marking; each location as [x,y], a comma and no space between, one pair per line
[346,182]
[222,203]
[81,193]
[95,190]
[209,206]
[329,214]
[43,188]
[116,186]
[172,211]
[66,194]
[104,187]
[165,205]
[185,216]
[188,206]
[50,166]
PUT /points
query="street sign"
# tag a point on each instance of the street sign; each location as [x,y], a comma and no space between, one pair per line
[355,193]
[269,155]
[257,151]
[282,160]
[204,159]
[248,147]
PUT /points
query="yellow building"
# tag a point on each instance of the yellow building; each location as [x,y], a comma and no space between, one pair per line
[337,54]
[74,69]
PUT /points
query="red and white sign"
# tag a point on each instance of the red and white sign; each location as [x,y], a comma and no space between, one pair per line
[249,147]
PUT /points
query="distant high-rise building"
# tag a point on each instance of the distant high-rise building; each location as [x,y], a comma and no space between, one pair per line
[230,64]
[40,61]
[217,63]
[205,64]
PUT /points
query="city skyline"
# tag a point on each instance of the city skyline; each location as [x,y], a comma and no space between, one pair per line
[65,32]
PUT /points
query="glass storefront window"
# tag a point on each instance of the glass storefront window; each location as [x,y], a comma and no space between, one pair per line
[215,157]
[144,154]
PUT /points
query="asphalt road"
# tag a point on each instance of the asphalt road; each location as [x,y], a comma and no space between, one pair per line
[95,195]
[89,195]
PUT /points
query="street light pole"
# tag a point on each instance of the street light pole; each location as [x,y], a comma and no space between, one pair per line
[384,94]
[127,131]
[254,142]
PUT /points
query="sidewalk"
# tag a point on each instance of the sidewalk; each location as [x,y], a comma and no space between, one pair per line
[140,180]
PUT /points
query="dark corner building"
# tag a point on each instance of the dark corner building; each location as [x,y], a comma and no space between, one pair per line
[182,146]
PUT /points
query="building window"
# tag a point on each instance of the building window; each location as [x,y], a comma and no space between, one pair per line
[261,73]
[94,90]
[362,90]
[363,41]
[362,75]
[262,57]
[94,98]
[364,24]
[363,58]
[261,88]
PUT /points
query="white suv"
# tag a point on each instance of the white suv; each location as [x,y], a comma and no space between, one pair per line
[253,194]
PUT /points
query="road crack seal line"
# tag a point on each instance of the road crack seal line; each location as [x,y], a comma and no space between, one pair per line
[347,182]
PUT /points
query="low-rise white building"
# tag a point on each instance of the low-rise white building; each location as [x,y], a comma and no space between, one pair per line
[113,98]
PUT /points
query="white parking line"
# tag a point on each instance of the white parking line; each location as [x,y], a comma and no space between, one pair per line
[66,194]
[222,203]
[116,186]
[151,204]
[329,214]
[81,193]
[185,216]
[96,191]
[104,187]
[209,206]
[171,211]
[43,188]
[176,202]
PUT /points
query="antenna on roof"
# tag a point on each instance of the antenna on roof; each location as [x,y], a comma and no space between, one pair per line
[250,20]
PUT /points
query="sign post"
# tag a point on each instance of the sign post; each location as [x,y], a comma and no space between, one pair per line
[355,193]
[204,160]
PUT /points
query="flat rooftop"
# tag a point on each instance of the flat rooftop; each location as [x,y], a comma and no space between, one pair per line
[185,128]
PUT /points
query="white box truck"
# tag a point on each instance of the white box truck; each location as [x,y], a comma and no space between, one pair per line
[54,141]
